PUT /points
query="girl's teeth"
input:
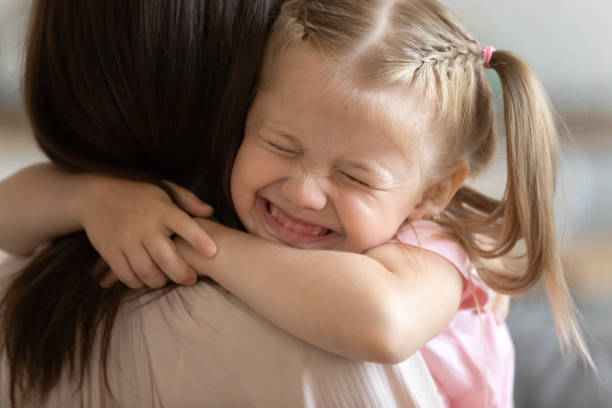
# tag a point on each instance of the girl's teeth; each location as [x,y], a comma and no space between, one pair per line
[301,228]
[290,225]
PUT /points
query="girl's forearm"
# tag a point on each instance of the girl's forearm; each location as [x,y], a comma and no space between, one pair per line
[342,302]
[37,204]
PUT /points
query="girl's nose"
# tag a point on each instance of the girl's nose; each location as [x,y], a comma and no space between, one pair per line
[303,191]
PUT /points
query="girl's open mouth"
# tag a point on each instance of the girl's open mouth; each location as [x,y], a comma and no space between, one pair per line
[291,229]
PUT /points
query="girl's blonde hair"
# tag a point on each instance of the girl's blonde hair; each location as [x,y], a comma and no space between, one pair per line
[419,44]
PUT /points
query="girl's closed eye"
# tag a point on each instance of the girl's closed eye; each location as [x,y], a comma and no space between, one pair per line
[355,180]
[281,149]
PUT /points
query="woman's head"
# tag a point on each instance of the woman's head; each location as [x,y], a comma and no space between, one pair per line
[146,89]
[414,59]
[152,89]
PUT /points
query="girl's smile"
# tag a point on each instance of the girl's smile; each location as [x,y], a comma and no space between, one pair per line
[292,230]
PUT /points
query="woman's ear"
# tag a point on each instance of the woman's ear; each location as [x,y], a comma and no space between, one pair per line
[437,196]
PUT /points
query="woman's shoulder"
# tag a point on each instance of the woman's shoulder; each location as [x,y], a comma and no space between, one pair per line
[204,346]
[200,345]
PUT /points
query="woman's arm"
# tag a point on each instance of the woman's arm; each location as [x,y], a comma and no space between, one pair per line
[382,306]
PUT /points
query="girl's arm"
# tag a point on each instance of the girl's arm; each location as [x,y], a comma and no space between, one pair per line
[129,223]
[37,204]
[382,306]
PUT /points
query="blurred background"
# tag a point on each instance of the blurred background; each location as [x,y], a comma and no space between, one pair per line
[566,43]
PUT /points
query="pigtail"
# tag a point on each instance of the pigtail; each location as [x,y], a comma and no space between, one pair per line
[532,151]
[527,210]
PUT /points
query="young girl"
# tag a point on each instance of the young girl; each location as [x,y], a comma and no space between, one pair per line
[368,118]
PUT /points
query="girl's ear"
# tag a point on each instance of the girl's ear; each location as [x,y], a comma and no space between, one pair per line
[436,197]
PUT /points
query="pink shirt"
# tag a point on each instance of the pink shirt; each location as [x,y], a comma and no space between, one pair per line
[472,360]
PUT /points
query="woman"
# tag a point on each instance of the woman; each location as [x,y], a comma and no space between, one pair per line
[152,90]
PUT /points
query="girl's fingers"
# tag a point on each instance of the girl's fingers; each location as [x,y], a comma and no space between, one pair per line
[186,227]
[145,268]
[109,280]
[189,202]
[166,257]
[124,272]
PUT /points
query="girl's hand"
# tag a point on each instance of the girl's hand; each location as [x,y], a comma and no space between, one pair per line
[131,223]
[218,232]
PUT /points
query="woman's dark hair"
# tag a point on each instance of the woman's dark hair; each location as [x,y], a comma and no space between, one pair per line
[144,89]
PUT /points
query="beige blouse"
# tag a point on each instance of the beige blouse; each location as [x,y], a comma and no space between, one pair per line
[199,346]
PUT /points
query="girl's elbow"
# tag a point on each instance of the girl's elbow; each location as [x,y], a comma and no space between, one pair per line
[388,336]
[391,348]
[391,341]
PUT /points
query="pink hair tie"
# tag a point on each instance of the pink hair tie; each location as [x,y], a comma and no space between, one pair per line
[487,52]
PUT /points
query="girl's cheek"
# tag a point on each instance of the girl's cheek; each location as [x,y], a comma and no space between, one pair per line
[356,204]
[272,167]
[356,214]
[368,222]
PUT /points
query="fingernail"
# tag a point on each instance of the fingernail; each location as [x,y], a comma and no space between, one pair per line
[211,250]
[195,277]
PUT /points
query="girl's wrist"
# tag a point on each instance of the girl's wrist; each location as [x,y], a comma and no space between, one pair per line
[228,242]
[202,266]
[84,187]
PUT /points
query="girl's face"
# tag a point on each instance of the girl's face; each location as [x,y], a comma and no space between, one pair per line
[317,169]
